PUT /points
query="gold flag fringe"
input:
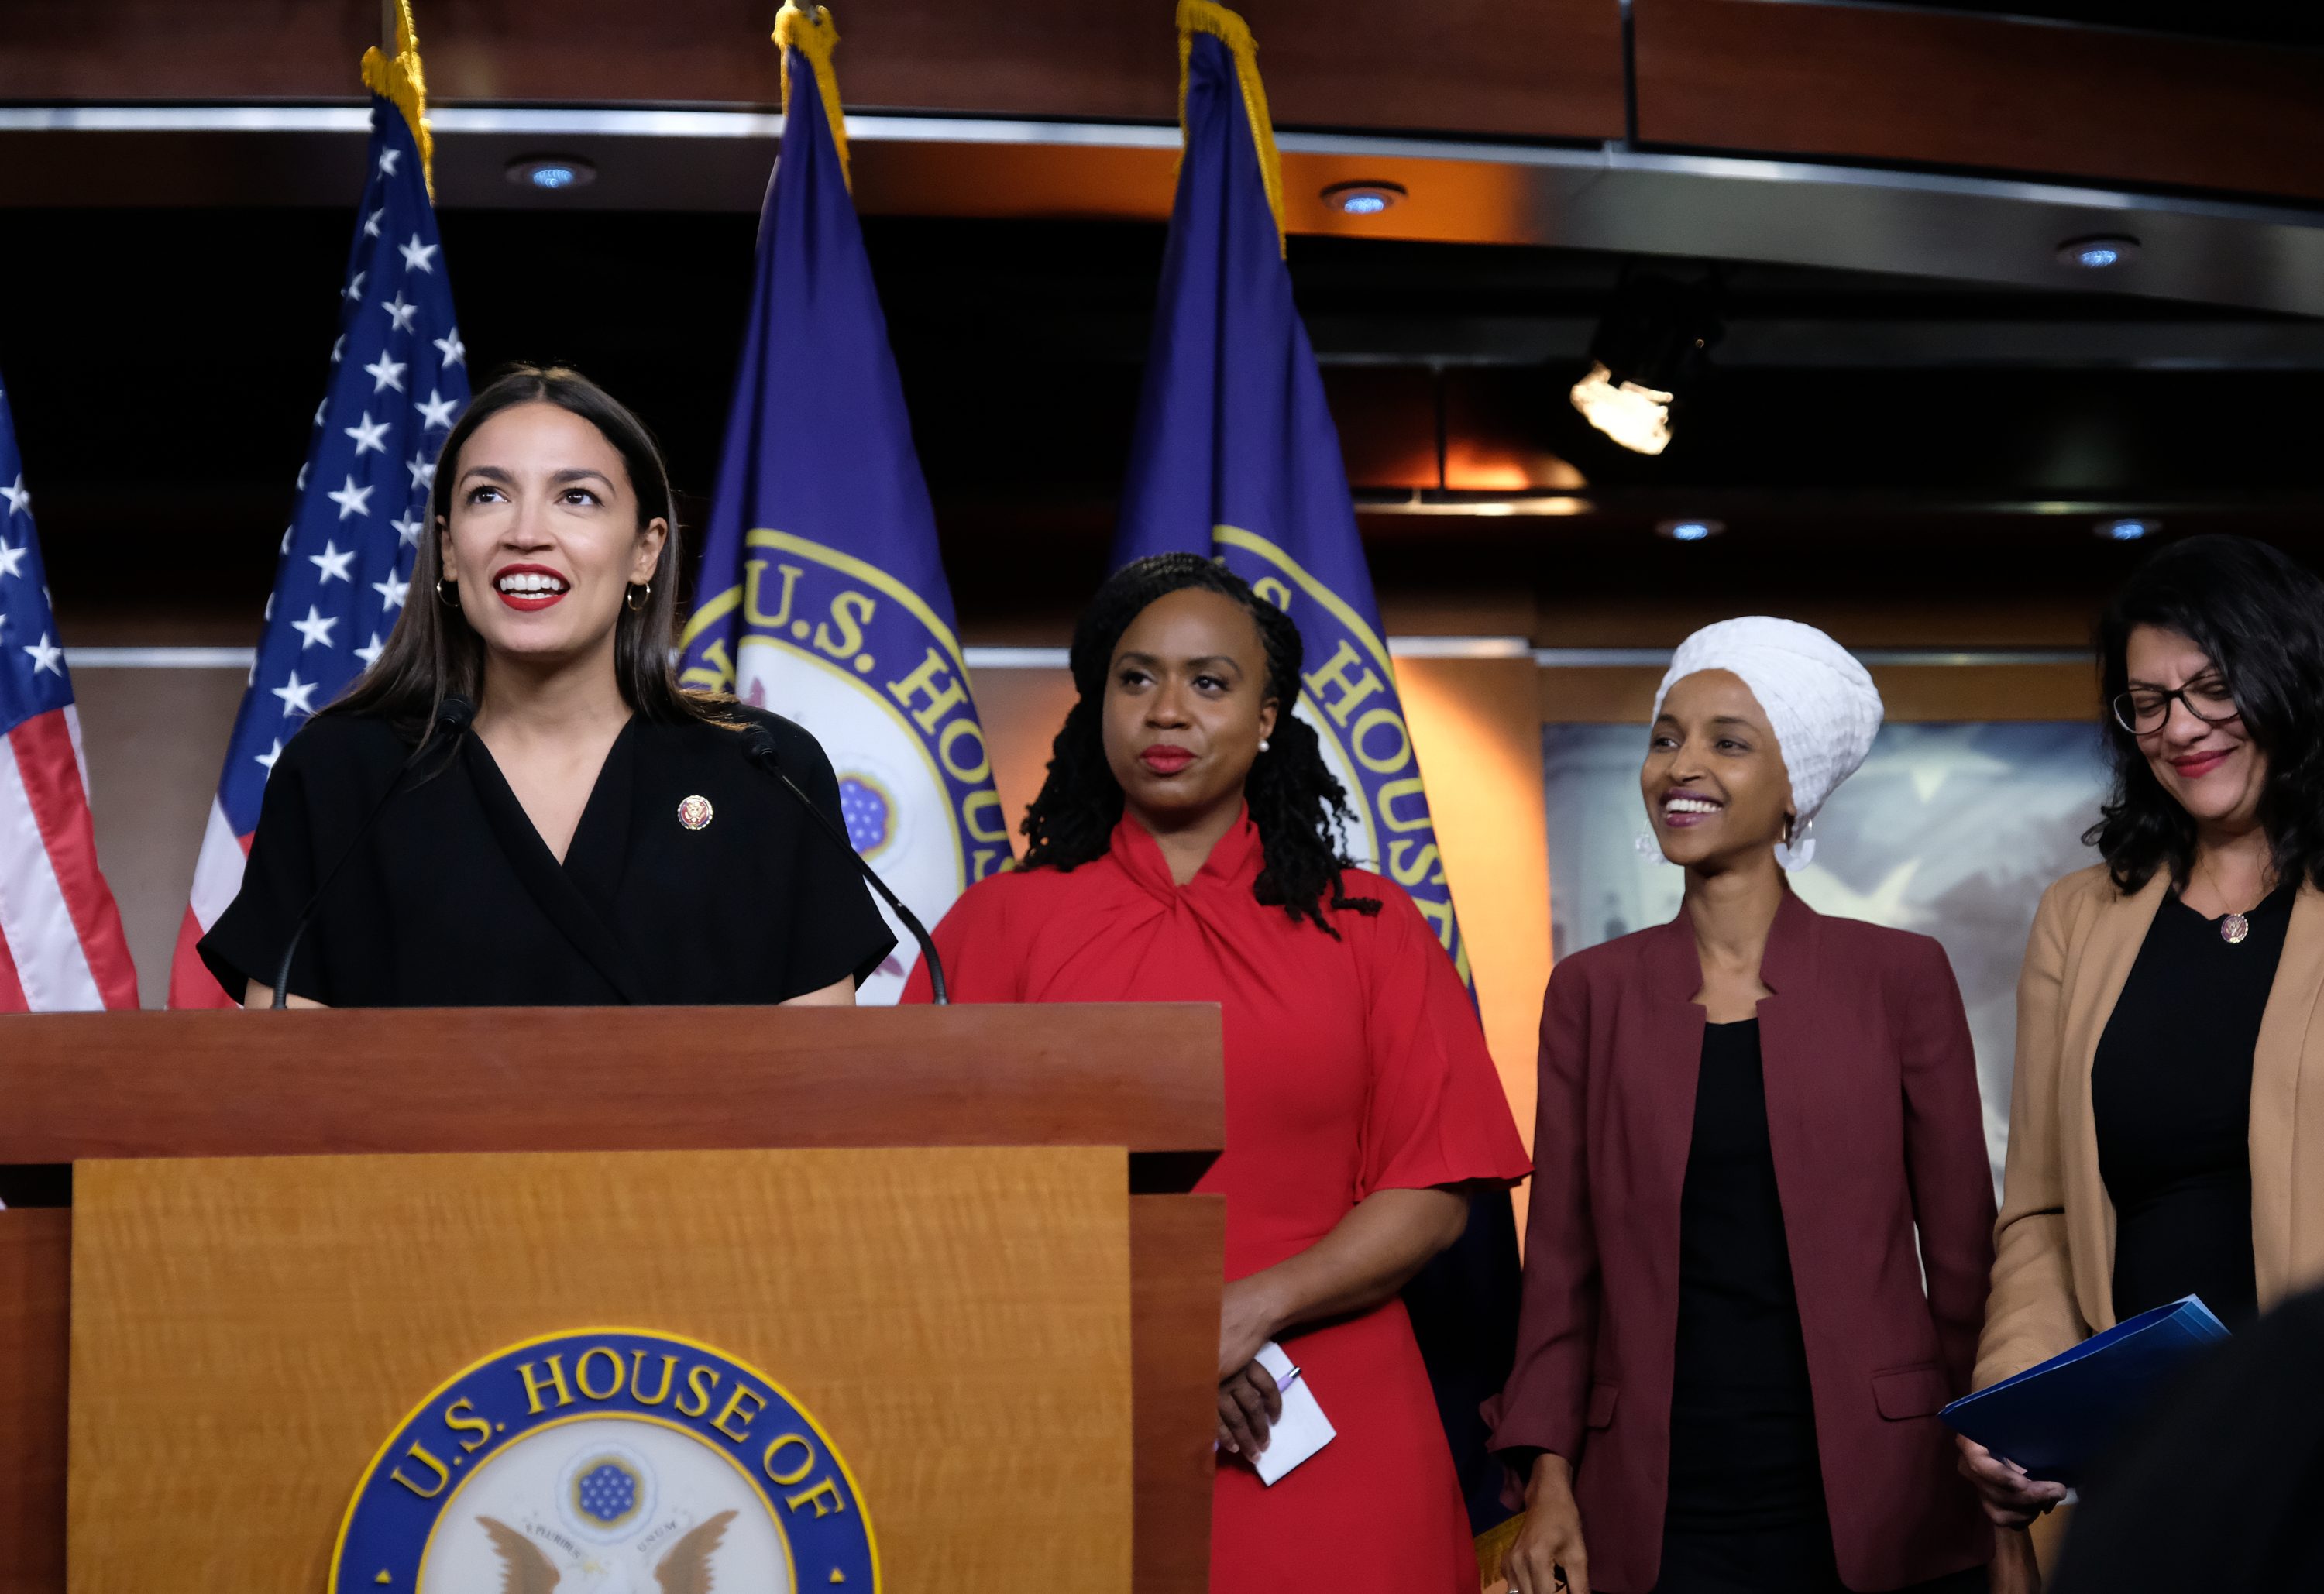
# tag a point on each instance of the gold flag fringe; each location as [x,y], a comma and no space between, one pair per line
[809,31]
[1200,16]
[401,84]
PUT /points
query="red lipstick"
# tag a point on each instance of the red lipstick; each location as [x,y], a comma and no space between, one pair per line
[529,587]
[1166,759]
[2194,766]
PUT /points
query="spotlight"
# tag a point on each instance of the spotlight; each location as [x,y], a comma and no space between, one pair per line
[2129,529]
[1362,198]
[2098,254]
[550,173]
[1696,530]
[1649,348]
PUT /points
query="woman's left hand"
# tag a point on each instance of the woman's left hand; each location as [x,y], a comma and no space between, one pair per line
[1247,1320]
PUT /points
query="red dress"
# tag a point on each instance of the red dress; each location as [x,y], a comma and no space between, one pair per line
[1352,1066]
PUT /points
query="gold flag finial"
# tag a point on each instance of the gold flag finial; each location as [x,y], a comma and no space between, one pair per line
[1200,16]
[808,29]
[401,83]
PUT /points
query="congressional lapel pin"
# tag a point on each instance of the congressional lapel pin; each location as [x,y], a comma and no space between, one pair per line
[695,812]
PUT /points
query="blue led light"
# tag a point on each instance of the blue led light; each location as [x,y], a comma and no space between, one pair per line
[1689,531]
[2098,254]
[1362,198]
[2124,530]
[545,176]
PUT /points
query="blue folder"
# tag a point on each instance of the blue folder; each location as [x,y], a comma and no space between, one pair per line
[2056,1419]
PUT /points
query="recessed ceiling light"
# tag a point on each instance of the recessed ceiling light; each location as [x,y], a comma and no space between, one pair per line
[550,173]
[2098,254]
[1694,529]
[1362,198]
[2129,528]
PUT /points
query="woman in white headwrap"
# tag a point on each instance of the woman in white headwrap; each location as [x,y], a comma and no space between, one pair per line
[1728,1367]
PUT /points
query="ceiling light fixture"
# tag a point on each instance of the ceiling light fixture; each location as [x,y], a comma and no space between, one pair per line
[1362,198]
[1652,343]
[2129,528]
[1693,529]
[552,173]
[2098,254]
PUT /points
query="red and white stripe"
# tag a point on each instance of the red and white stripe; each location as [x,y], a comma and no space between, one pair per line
[61,944]
[218,878]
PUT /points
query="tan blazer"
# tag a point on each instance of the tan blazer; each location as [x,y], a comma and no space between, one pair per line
[2054,1243]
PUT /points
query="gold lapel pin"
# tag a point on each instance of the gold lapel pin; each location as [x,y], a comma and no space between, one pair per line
[695,812]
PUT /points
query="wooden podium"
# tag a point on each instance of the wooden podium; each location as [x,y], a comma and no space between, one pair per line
[961,1237]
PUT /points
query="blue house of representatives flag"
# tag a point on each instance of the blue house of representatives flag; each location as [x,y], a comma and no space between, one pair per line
[1236,456]
[398,378]
[820,595]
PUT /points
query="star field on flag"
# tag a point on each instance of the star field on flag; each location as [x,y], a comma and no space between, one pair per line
[398,378]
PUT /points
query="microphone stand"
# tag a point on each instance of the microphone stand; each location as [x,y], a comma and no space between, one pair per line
[762,753]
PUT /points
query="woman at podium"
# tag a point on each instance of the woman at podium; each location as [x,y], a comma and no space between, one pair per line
[1182,850]
[515,804]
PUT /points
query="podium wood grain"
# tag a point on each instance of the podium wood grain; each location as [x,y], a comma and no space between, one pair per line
[247,1332]
[80,1085]
[34,1276]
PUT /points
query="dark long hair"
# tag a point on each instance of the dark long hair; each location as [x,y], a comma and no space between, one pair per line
[2259,617]
[1295,801]
[434,652]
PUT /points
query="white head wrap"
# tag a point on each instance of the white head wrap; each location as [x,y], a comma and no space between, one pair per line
[1820,704]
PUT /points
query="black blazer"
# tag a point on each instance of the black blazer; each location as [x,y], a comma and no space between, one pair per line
[454,900]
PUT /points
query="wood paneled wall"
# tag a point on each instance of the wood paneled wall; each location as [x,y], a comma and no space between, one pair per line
[1885,83]
[1540,68]
[1812,77]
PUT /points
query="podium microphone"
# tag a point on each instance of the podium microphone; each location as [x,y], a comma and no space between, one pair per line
[454,716]
[758,742]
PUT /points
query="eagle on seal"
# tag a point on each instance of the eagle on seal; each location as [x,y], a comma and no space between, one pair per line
[684,1568]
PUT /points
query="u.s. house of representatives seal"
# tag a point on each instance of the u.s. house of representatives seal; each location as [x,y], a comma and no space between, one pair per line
[606,1461]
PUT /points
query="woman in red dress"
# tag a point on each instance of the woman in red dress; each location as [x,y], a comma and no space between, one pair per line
[1183,849]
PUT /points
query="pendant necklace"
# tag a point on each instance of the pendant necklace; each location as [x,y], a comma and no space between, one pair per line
[2234,927]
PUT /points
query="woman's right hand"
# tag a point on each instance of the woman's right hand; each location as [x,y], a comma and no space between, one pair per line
[2010,1498]
[1249,1403]
[1548,1553]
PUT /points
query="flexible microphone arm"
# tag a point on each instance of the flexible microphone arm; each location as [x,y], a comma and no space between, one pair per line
[453,718]
[760,743]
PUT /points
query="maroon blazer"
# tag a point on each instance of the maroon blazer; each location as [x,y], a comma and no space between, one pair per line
[1873,1119]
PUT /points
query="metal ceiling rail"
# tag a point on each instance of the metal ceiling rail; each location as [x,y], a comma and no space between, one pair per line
[1952,226]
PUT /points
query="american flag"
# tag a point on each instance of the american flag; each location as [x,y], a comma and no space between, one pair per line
[61,940]
[399,380]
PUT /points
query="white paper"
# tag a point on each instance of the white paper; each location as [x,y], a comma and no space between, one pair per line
[1302,1429]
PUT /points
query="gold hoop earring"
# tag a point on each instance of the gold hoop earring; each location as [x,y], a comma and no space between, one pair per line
[448,593]
[638,596]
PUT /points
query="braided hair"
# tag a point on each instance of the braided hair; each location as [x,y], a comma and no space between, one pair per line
[1297,803]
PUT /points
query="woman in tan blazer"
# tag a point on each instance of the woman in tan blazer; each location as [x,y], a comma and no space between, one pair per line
[2167,1122]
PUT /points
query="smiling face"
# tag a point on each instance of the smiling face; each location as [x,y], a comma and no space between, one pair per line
[2214,771]
[1186,705]
[1714,779]
[544,541]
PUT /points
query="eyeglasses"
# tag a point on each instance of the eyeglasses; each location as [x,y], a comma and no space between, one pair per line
[2142,710]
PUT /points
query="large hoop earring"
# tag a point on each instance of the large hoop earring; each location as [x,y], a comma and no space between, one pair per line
[635,601]
[448,593]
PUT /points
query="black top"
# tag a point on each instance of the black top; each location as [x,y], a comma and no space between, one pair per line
[455,900]
[2171,1097]
[1742,1433]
